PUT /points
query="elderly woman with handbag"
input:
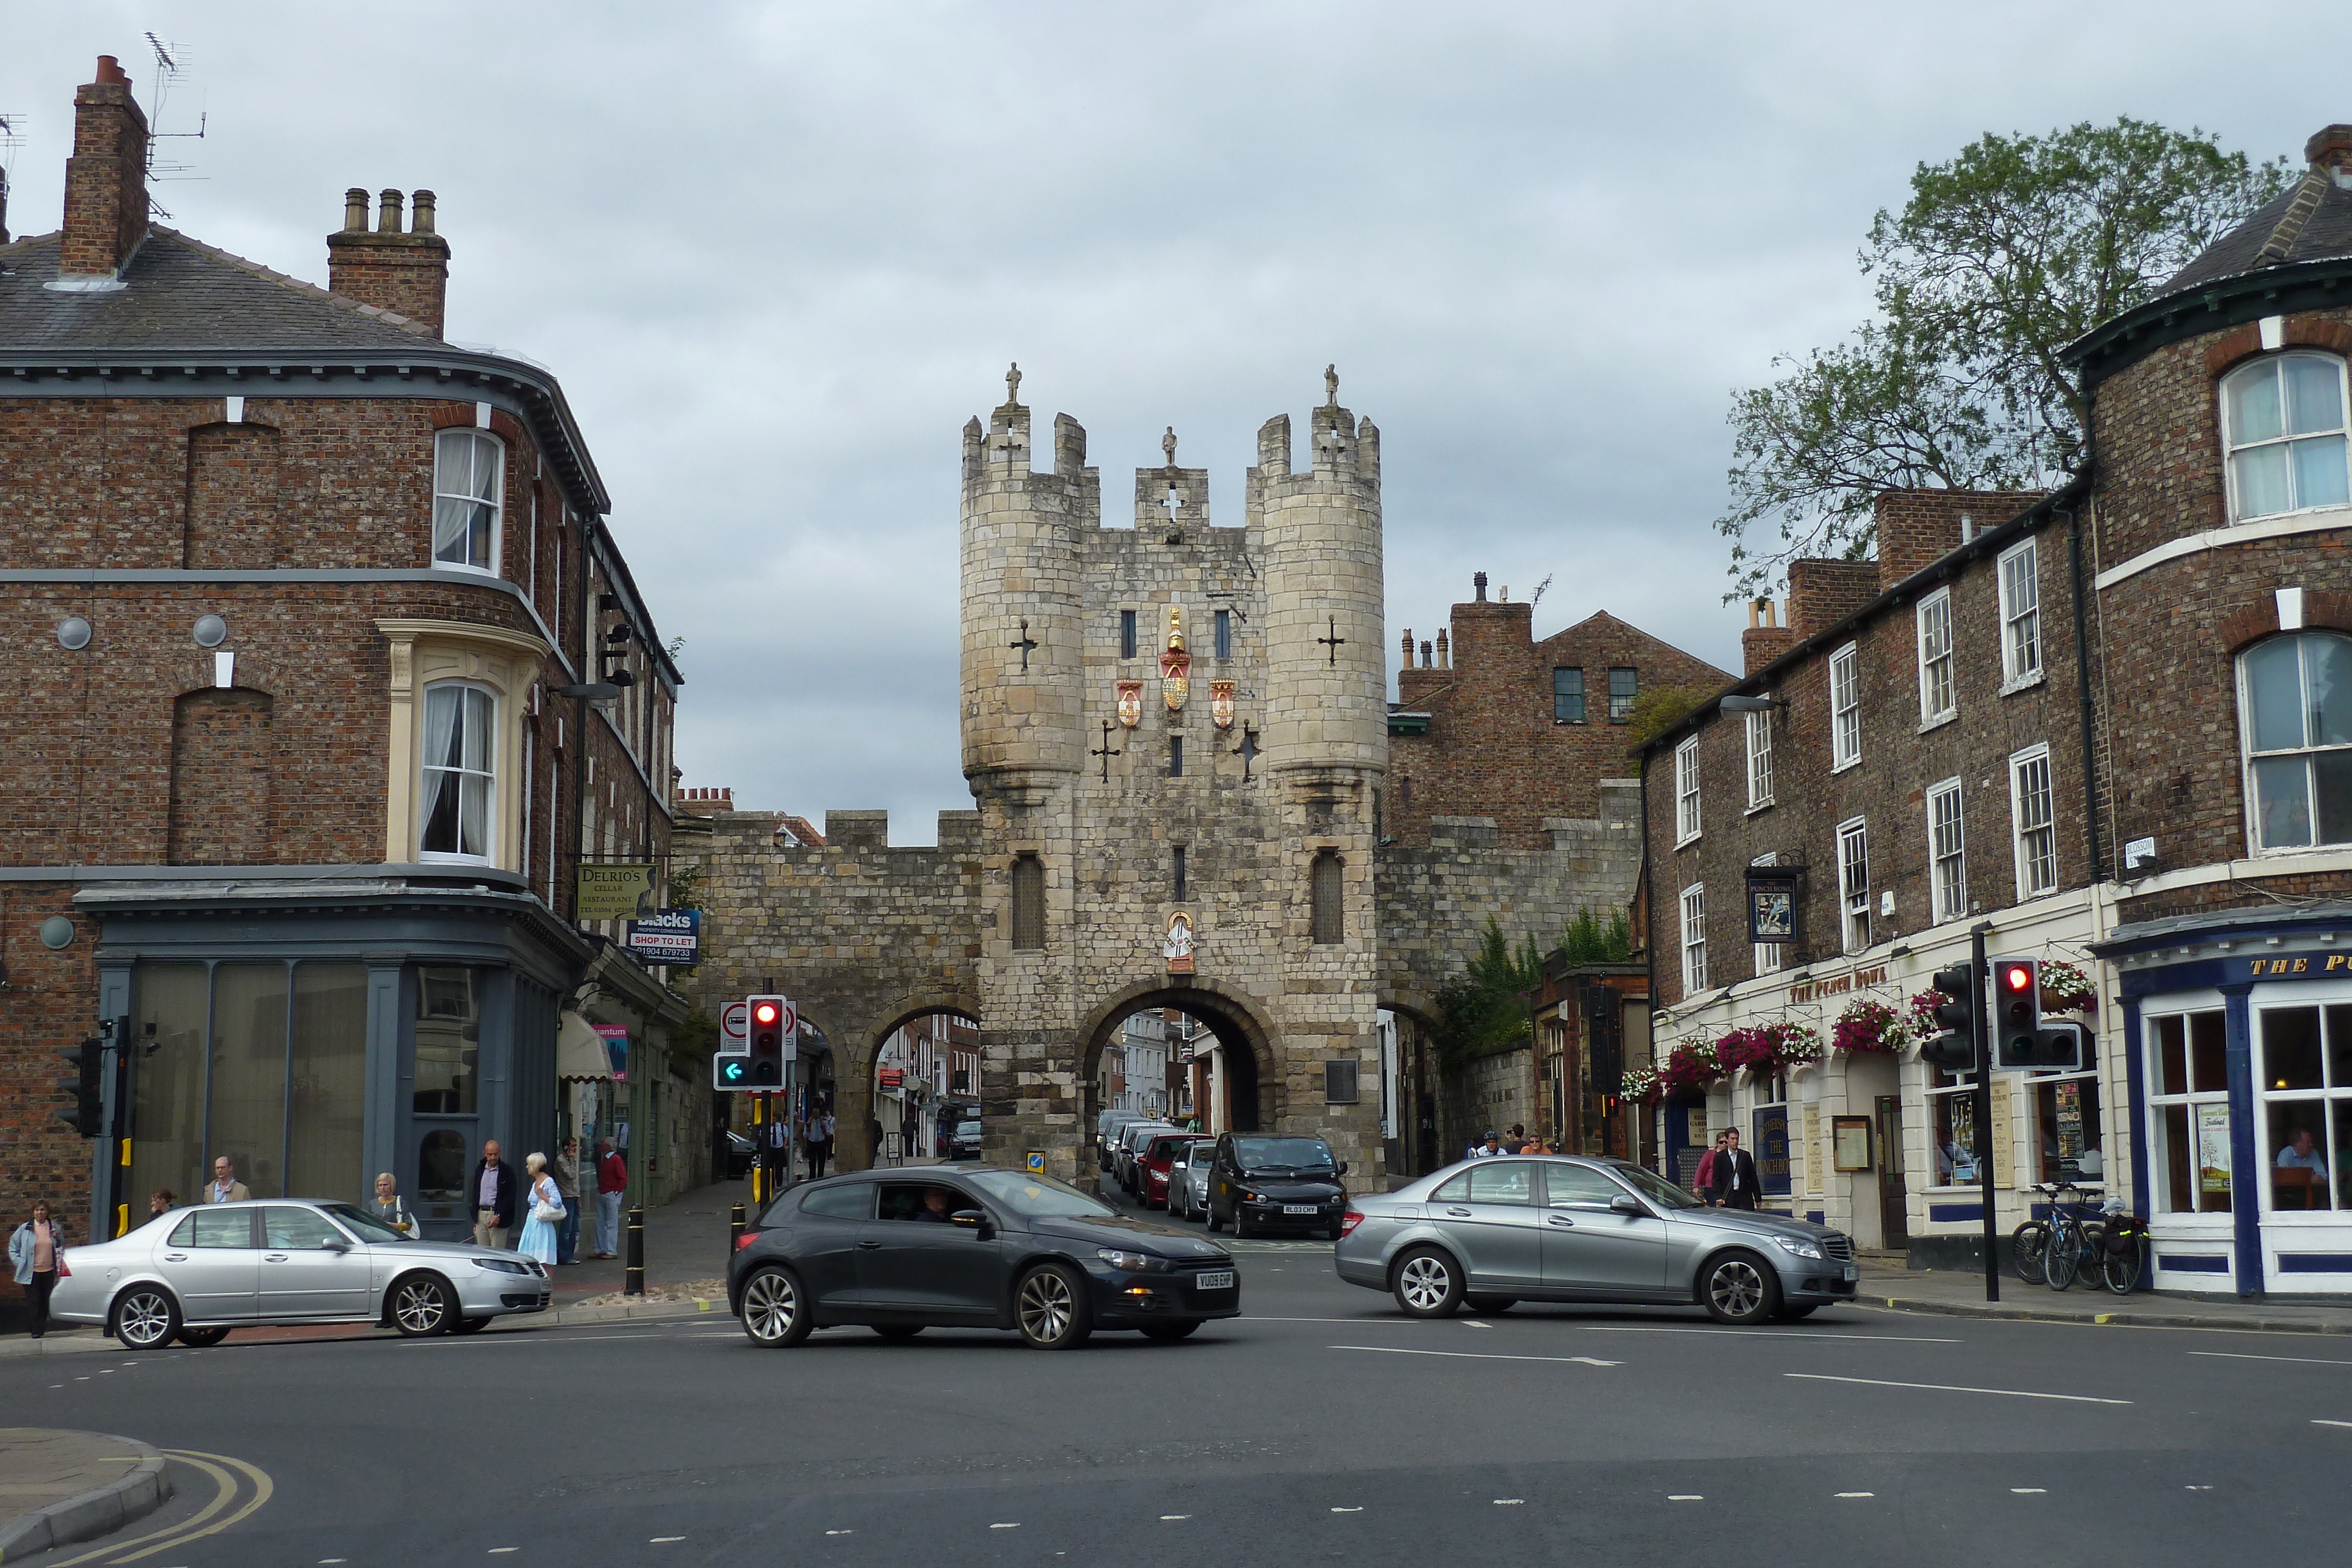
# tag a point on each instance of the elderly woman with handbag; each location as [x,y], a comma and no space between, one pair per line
[540,1233]
[36,1252]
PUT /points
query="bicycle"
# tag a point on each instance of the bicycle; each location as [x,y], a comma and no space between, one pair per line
[2077,1246]
[2030,1241]
[2123,1255]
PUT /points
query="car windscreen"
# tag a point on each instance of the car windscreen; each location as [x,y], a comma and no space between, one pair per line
[1654,1187]
[1284,1156]
[361,1224]
[967,1129]
[1039,1197]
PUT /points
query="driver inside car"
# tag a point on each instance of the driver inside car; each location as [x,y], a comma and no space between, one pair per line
[939,1205]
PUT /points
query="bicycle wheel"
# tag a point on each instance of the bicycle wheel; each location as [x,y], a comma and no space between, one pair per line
[2062,1256]
[2122,1269]
[2026,1245]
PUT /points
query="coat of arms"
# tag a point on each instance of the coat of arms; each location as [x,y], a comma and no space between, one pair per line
[1130,702]
[1175,664]
[1177,949]
[1221,704]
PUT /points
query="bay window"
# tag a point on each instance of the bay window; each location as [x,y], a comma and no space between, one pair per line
[2294,706]
[458,777]
[468,489]
[2282,425]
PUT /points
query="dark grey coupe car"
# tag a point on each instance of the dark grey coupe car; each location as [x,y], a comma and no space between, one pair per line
[900,1251]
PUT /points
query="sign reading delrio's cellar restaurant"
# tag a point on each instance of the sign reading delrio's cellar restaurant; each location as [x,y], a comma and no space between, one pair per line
[612,892]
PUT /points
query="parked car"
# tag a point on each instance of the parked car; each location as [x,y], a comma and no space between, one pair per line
[1107,1129]
[965,1144]
[900,1252]
[1133,1138]
[739,1150]
[1187,1179]
[194,1274]
[1496,1232]
[1154,1167]
[1262,1182]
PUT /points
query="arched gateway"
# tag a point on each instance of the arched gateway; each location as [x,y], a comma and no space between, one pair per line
[1176,735]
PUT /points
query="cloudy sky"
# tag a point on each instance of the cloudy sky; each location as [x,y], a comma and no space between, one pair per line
[779,253]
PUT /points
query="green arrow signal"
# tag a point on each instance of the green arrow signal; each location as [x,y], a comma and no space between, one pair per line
[734,1072]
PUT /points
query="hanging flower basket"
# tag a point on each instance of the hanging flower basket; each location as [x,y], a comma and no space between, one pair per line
[1642,1085]
[1691,1065]
[1872,1026]
[1924,1024]
[1765,1047]
[2067,989]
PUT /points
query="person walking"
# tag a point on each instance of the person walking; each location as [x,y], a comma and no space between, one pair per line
[160,1202]
[543,1212]
[1735,1175]
[494,1191]
[565,1169]
[390,1209]
[820,1141]
[1703,1181]
[611,1180]
[36,1252]
[224,1187]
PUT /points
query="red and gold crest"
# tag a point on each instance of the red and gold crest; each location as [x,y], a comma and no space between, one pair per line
[1130,702]
[1175,664]
[1221,704]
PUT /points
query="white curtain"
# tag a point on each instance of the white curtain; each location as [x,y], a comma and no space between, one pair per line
[474,804]
[440,736]
[467,478]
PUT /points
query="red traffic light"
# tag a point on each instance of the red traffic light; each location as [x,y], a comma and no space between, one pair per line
[766,1013]
[2016,977]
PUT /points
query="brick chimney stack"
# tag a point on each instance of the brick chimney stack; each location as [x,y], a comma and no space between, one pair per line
[408,274]
[1766,639]
[2332,149]
[105,179]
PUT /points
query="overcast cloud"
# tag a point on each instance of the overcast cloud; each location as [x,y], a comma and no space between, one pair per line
[780,252]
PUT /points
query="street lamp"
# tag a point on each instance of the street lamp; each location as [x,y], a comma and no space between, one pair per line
[1750,705]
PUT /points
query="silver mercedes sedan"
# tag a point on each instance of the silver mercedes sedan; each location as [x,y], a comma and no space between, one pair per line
[195,1273]
[1497,1231]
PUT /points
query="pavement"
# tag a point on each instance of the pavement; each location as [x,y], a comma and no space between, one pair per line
[1962,1295]
[60,1487]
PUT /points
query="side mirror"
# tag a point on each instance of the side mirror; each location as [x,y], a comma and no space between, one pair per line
[1627,1204]
[971,1217]
[334,1244]
[1343,1168]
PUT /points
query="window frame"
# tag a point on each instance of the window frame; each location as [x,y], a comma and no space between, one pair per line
[1622,714]
[1937,667]
[1687,817]
[2274,365]
[491,739]
[1854,918]
[1559,697]
[1845,716]
[1327,910]
[2015,671]
[2180,1010]
[2328,1004]
[1222,628]
[1947,896]
[2019,762]
[476,440]
[1127,635]
[1027,887]
[2308,753]
[1692,908]
[1760,760]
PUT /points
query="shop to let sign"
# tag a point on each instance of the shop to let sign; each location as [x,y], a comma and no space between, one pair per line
[614,892]
[665,937]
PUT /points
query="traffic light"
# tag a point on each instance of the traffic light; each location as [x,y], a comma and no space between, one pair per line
[2016,1012]
[730,1071]
[1955,1049]
[768,1024]
[86,1088]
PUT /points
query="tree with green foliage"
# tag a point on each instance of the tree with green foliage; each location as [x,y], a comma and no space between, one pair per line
[2001,258]
[1657,710]
[1486,1010]
[1588,939]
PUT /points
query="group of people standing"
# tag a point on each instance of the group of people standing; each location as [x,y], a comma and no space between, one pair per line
[1515,1142]
[551,1215]
[1727,1172]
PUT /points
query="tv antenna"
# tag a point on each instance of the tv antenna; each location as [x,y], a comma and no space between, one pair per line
[12,136]
[1537,597]
[171,69]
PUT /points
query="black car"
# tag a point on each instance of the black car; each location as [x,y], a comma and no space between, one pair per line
[901,1252]
[740,1151]
[1265,1182]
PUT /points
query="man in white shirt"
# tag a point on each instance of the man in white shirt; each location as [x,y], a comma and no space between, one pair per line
[224,1187]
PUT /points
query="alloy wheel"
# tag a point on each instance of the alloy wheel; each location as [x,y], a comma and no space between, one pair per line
[1047,1306]
[1425,1282]
[145,1320]
[420,1307]
[771,1306]
[1734,1288]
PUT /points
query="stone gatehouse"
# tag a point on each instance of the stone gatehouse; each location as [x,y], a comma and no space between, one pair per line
[1177,737]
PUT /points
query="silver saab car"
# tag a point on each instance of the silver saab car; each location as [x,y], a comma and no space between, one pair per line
[195,1273]
[1501,1230]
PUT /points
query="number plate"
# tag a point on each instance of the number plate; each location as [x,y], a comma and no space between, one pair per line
[1298,1208]
[1222,1280]
[1852,1273]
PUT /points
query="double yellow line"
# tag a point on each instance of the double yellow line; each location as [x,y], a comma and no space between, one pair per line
[230,1479]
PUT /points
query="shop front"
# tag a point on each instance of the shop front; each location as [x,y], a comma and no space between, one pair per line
[2238,1030]
[319,1035]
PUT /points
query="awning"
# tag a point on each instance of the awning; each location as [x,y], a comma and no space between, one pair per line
[580,1051]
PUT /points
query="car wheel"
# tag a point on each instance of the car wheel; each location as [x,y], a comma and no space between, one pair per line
[146,1317]
[1050,1307]
[203,1339]
[468,1325]
[773,1314]
[1242,1224]
[1214,1223]
[1427,1283]
[1491,1303]
[1171,1331]
[421,1306]
[897,1330]
[1740,1287]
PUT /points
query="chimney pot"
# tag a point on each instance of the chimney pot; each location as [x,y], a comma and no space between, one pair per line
[110,73]
[387,212]
[1478,580]
[420,216]
[2331,148]
[408,274]
[355,211]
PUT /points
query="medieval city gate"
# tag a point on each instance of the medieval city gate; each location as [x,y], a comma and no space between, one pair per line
[1176,735]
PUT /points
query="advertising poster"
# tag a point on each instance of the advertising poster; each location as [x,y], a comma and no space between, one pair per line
[1772,1147]
[665,937]
[2214,1148]
[616,1046]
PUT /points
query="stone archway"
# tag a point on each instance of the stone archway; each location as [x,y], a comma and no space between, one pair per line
[1245,1042]
[1420,1148]
[854,1147]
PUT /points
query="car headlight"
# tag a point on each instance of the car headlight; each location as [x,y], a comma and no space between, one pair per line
[1798,1246]
[1133,1262]
[503,1265]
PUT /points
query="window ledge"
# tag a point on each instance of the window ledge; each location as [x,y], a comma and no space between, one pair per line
[1760,807]
[1846,766]
[1686,843]
[2010,688]
[1939,721]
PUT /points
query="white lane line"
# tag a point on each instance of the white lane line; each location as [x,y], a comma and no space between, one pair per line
[1347,1510]
[2332,1422]
[1956,1388]
[1477,1355]
[1475,1323]
[1685,1497]
[1765,1333]
[664,1540]
[1171,1518]
[1858,1494]
[2031,1491]
[2298,1360]
[841,1532]
[1012,1526]
[1509,1501]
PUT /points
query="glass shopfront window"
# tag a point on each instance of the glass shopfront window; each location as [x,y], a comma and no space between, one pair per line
[2067,1130]
[2189,1111]
[448,1041]
[2305,1077]
[1954,1102]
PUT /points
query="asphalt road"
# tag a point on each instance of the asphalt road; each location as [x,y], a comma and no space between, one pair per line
[1323,1425]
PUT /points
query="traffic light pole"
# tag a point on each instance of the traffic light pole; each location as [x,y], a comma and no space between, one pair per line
[1986,1133]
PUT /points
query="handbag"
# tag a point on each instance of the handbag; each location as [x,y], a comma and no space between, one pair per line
[546,1213]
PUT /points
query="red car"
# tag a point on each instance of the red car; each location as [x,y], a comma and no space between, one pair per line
[1157,1155]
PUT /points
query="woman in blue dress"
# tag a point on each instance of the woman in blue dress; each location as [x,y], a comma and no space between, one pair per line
[538,1233]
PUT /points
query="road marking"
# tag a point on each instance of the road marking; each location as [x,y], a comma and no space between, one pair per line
[1957,1388]
[841,1532]
[1477,1355]
[2031,1491]
[1005,1526]
[1767,1334]
[2299,1360]
[1475,1323]
[664,1540]
[1169,1517]
[225,1490]
[1509,1501]
[2332,1422]
[1858,1494]
[2196,1489]
[1684,1497]
[1347,1510]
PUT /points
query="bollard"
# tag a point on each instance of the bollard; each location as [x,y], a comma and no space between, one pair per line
[735,1231]
[635,1284]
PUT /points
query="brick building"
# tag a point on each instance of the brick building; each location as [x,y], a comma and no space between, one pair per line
[290,584]
[2113,725]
